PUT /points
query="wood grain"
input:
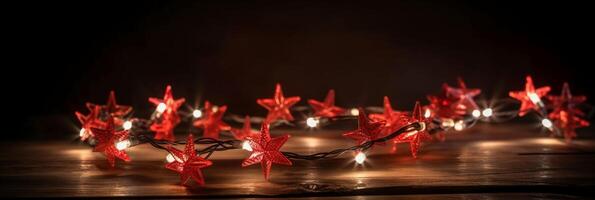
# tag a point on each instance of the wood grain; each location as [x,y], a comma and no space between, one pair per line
[508,161]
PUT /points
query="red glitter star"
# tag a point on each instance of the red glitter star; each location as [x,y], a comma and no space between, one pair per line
[530,97]
[278,106]
[393,120]
[414,138]
[453,102]
[326,108]
[246,132]
[565,114]
[187,163]
[169,117]
[107,138]
[90,121]
[211,122]
[266,151]
[367,130]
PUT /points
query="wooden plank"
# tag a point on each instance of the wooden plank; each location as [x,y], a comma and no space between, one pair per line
[489,159]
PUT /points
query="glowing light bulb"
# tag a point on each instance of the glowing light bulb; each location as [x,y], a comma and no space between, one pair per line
[427,113]
[161,107]
[476,113]
[246,145]
[488,112]
[360,158]
[312,122]
[546,123]
[534,98]
[448,123]
[121,145]
[196,113]
[215,108]
[354,112]
[460,125]
[127,125]
[82,132]
[170,158]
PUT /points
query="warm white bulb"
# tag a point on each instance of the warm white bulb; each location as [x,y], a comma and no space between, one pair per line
[448,123]
[488,112]
[196,113]
[459,125]
[215,108]
[354,112]
[312,122]
[161,107]
[360,157]
[476,113]
[546,123]
[534,97]
[121,145]
[127,125]
[170,158]
[82,132]
[246,146]
[427,113]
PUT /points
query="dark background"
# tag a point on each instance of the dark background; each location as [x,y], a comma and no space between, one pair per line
[68,53]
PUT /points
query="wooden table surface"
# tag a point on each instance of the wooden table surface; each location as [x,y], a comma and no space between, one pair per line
[510,161]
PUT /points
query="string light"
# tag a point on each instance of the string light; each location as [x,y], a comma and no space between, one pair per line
[196,113]
[127,125]
[82,132]
[427,113]
[476,113]
[447,123]
[488,112]
[459,125]
[312,122]
[546,123]
[121,145]
[354,112]
[534,97]
[360,158]
[246,145]
[170,158]
[161,107]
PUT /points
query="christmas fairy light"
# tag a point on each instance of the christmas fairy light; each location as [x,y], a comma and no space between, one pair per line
[121,145]
[360,157]
[354,112]
[487,112]
[246,145]
[312,122]
[454,109]
[546,123]
[476,113]
[196,113]
[127,125]
[161,107]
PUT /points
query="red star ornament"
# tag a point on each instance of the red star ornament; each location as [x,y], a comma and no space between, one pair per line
[246,131]
[530,97]
[454,102]
[266,151]
[112,106]
[107,138]
[326,108]
[414,138]
[211,123]
[278,106]
[367,130]
[565,114]
[187,163]
[169,117]
[393,120]
[90,121]
[567,101]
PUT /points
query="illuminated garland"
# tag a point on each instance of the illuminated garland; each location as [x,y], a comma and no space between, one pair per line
[109,131]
